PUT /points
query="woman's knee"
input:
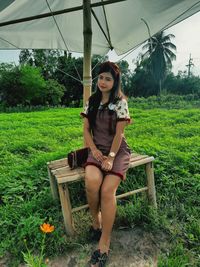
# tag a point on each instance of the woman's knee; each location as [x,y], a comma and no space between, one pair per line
[108,189]
[108,193]
[93,178]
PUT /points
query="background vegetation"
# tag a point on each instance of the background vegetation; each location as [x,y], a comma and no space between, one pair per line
[51,78]
[171,136]
[40,102]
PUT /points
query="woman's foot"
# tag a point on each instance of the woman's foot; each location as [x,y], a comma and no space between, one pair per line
[104,245]
[98,259]
[100,256]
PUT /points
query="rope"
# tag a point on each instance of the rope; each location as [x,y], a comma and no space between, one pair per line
[63,41]
[68,74]
[9,42]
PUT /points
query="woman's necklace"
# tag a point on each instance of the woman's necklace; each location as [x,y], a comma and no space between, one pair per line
[103,102]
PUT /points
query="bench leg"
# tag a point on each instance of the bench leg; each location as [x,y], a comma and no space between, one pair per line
[66,208]
[53,184]
[151,184]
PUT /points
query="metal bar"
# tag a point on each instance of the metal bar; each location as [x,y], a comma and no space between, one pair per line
[111,46]
[98,22]
[59,12]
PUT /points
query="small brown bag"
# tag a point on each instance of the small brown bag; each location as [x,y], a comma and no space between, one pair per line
[78,157]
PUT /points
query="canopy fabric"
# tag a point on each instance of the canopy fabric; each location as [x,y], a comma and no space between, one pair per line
[124,23]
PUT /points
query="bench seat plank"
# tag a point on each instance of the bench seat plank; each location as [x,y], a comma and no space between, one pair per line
[53,165]
[65,174]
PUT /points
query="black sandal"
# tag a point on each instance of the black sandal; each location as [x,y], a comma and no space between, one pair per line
[95,234]
[98,257]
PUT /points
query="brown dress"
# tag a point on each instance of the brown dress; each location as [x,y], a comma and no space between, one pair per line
[103,138]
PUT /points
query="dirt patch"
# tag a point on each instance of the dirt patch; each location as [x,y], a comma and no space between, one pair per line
[129,248]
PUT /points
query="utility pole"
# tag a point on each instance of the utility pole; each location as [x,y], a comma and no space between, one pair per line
[189,65]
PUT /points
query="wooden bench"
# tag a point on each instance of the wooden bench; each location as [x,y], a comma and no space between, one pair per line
[60,175]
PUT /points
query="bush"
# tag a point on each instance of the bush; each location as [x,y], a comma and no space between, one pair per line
[166,101]
[54,92]
[26,86]
[33,85]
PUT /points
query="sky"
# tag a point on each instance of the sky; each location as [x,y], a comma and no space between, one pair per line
[187,41]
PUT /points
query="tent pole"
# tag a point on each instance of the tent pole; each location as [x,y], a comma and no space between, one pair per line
[87,35]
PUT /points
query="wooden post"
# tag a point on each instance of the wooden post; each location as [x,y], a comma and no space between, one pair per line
[53,185]
[66,208]
[87,35]
[151,184]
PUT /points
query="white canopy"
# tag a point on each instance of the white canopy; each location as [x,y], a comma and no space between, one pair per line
[121,22]
[67,25]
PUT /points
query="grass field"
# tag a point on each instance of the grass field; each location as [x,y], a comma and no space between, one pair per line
[29,140]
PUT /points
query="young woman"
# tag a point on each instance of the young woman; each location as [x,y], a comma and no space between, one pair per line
[105,117]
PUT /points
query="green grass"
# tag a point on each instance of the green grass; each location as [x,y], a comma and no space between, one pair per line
[29,140]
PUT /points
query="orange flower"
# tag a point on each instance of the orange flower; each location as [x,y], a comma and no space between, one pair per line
[47,228]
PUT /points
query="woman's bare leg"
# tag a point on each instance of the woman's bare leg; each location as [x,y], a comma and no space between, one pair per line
[93,181]
[108,209]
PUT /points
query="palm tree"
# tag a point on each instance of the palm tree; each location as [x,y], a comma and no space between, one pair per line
[160,51]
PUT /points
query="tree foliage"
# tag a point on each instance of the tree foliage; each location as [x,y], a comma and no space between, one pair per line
[181,84]
[69,74]
[25,57]
[33,85]
[141,82]
[44,59]
[50,77]
[161,53]
[25,85]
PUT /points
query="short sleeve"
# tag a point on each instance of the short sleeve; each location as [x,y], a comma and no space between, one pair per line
[122,111]
[85,110]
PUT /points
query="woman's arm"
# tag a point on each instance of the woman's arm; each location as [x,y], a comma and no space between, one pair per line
[118,136]
[108,162]
[89,141]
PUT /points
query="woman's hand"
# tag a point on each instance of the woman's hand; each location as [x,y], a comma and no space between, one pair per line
[97,154]
[107,164]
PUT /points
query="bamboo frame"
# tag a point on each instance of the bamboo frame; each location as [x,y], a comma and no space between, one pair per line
[60,175]
[151,184]
[87,36]
[53,184]
[66,208]
[117,197]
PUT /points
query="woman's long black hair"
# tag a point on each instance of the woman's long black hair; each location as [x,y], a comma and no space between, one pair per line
[115,95]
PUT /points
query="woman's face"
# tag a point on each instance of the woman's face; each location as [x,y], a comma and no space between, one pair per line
[105,82]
